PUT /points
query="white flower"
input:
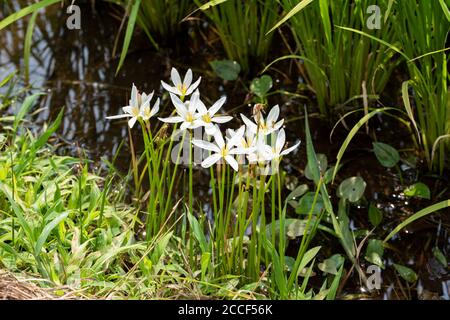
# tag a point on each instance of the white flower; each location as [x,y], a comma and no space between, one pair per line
[248,140]
[145,111]
[207,118]
[267,126]
[184,88]
[261,152]
[221,149]
[139,106]
[186,115]
[277,151]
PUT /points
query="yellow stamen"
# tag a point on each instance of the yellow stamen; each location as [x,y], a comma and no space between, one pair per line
[206,118]
[189,117]
[183,89]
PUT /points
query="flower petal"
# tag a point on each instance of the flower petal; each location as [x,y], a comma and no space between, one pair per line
[281,139]
[179,106]
[250,124]
[193,103]
[216,106]
[210,129]
[237,137]
[119,116]
[232,162]
[273,115]
[127,109]
[201,108]
[134,97]
[155,108]
[131,122]
[219,139]
[170,88]
[188,78]
[289,150]
[206,145]
[193,86]
[221,119]
[175,119]
[208,162]
[278,125]
[175,77]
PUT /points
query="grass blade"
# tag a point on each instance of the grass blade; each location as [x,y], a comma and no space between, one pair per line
[25,11]
[300,6]
[129,33]
[352,133]
[422,213]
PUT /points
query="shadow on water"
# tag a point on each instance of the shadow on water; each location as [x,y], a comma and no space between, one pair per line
[77,70]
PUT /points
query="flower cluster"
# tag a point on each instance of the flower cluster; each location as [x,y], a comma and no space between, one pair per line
[260,141]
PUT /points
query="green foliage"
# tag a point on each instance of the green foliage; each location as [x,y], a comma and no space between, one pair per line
[340,65]
[242,27]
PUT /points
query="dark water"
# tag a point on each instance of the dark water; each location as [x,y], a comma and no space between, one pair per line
[76,69]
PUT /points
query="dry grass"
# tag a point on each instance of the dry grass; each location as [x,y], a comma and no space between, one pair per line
[13,287]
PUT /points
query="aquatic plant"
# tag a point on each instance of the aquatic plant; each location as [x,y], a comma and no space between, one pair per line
[340,67]
[242,27]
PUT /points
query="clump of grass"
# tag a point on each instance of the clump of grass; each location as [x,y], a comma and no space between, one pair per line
[242,27]
[422,28]
[341,66]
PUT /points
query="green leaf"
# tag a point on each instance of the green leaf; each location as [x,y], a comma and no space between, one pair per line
[375,215]
[308,257]
[406,273]
[297,192]
[418,190]
[7,79]
[440,257]
[352,189]
[332,264]
[322,162]
[46,232]
[206,260]
[226,69]
[196,229]
[306,204]
[386,155]
[374,252]
[260,86]
[27,45]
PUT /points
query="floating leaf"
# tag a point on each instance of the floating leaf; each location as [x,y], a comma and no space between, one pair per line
[296,193]
[374,252]
[352,189]
[375,215]
[406,273]
[322,163]
[418,190]
[386,155]
[260,86]
[440,257]
[226,69]
[306,203]
[332,264]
